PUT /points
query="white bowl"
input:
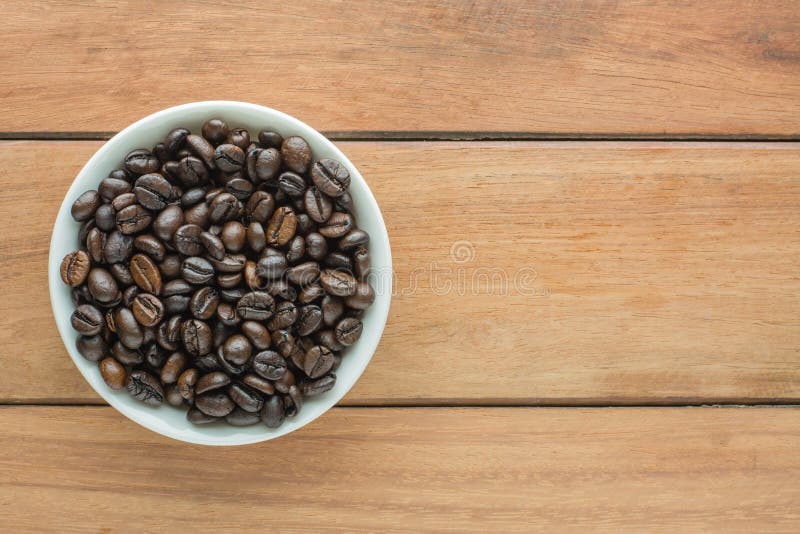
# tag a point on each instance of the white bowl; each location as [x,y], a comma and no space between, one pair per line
[145,133]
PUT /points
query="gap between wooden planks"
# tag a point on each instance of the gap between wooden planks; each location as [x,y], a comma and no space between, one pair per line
[606,67]
[412,469]
[654,273]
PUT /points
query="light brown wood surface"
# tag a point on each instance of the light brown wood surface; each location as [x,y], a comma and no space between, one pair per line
[411,470]
[657,273]
[567,67]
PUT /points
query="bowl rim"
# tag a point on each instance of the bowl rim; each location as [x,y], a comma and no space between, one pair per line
[380,307]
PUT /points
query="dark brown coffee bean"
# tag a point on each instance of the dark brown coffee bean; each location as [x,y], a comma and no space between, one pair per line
[258,336]
[204,302]
[239,137]
[310,293]
[125,355]
[348,331]
[285,315]
[229,280]
[256,238]
[270,139]
[113,373]
[317,387]
[186,383]
[95,242]
[150,245]
[102,285]
[168,333]
[168,222]
[354,239]
[318,205]
[256,305]
[133,219]
[146,274]
[193,196]
[129,294]
[173,368]
[224,207]
[129,330]
[111,188]
[75,268]
[215,131]
[258,383]
[305,225]
[246,398]
[188,240]
[176,139]
[196,417]
[233,235]
[296,154]
[170,267]
[173,396]
[296,249]
[212,381]
[216,404]
[362,298]
[250,161]
[145,387]
[202,149]
[339,261]
[93,348]
[260,207]
[328,338]
[117,248]
[197,270]
[228,158]
[196,336]
[316,246]
[318,361]
[284,342]
[267,164]
[84,230]
[251,277]
[272,413]
[153,191]
[154,355]
[176,304]
[281,289]
[303,274]
[192,172]
[285,382]
[226,313]
[105,217]
[338,283]
[231,263]
[297,399]
[269,364]
[362,264]
[309,320]
[338,225]
[240,188]
[141,161]
[292,184]
[147,309]
[239,417]
[123,201]
[198,214]
[330,177]
[272,266]
[282,226]
[87,320]
[332,309]
[170,171]
[237,349]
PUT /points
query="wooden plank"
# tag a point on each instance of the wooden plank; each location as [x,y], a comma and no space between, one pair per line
[413,469]
[608,68]
[645,272]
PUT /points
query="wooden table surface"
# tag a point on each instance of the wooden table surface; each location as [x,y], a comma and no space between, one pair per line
[610,192]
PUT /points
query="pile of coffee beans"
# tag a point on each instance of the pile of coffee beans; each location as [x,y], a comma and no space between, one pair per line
[220,273]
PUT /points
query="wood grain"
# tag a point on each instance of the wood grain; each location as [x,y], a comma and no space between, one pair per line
[606,67]
[645,273]
[412,470]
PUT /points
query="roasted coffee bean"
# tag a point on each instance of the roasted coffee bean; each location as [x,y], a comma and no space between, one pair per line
[354,239]
[260,207]
[173,367]
[239,137]
[272,266]
[233,235]
[154,356]
[197,270]
[304,273]
[147,309]
[196,336]
[113,373]
[193,196]
[80,295]
[251,277]
[186,383]
[75,268]
[256,305]
[93,348]
[173,396]
[111,188]
[337,283]
[105,217]
[197,214]
[228,158]
[285,382]
[256,238]
[207,363]
[330,177]
[339,261]
[285,316]
[269,364]
[317,387]
[202,149]
[188,240]
[170,267]
[168,333]
[176,287]
[130,293]
[192,172]
[309,320]
[344,203]
[348,331]
[102,285]
[145,387]
[176,139]
[153,191]
[239,417]
[296,154]
[282,226]
[125,355]
[87,320]
[318,205]
[224,208]
[85,205]
[228,367]
[204,302]
[160,151]
[231,263]
[95,242]
[332,309]
[272,413]
[229,280]
[216,404]
[292,184]
[215,130]
[196,417]
[250,161]
[270,139]
[85,228]
[240,188]
[123,201]
[227,314]
[318,361]
[244,397]
[146,274]
[316,246]
[176,304]
[258,335]
[310,293]
[141,161]
[296,249]
[338,225]
[362,298]
[283,341]
[267,164]
[304,224]
[297,398]
[258,383]
[168,222]
[328,338]
[170,171]
[362,263]
[118,247]
[237,349]
[232,295]
[150,245]
[129,331]
[133,219]
[281,289]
